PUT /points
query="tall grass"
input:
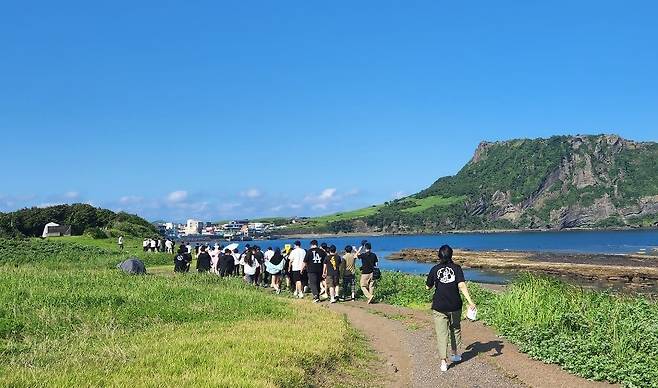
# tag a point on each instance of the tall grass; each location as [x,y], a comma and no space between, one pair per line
[67,318]
[594,334]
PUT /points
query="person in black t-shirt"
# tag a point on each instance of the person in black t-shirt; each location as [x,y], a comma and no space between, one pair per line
[447,279]
[203,260]
[314,261]
[368,264]
[182,260]
[226,263]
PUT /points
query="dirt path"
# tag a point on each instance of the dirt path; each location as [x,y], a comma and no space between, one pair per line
[405,341]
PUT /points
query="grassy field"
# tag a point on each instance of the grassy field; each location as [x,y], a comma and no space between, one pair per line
[413,206]
[422,204]
[593,334]
[67,318]
[366,211]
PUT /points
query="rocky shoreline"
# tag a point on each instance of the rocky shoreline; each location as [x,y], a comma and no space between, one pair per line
[370,233]
[640,271]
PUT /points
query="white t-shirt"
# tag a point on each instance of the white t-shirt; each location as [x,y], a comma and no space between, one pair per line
[268,255]
[297,258]
[236,259]
[249,270]
[214,257]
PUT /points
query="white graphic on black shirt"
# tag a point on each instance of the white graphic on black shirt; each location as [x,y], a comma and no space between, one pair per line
[445,275]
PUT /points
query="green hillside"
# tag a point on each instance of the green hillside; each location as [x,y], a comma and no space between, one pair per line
[83,219]
[555,183]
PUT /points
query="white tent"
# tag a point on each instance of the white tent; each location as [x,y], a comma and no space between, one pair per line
[45,228]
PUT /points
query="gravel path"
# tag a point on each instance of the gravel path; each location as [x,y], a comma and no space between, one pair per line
[406,343]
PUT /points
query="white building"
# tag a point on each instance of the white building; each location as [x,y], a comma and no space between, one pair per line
[193,227]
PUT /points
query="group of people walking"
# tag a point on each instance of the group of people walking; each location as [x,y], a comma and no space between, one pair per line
[320,268]
[155,245]
[331,275]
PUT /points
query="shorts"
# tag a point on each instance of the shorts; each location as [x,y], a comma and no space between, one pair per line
[296,276]
[349,281]
[332,281]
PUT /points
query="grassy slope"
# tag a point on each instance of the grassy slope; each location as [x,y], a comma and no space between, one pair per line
[592,334]
[412,206]
[366,211]
[423,204]
[94,326]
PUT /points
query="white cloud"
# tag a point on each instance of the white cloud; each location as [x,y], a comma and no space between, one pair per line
[71,195]
[252,193]
[177,196]
[49,204]
[323,200]
[327,194]
[130,200]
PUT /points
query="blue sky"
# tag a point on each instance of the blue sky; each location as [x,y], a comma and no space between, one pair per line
[220,109]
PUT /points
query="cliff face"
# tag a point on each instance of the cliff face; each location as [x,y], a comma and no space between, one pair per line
[583,189]
[556,183]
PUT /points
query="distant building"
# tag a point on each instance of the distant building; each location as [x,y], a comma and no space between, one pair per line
[169,225]
[55,230]
[193,227]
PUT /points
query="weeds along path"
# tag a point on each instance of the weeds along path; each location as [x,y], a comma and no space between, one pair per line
[405,340]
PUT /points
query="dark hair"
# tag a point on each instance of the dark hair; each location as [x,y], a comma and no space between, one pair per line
[203,248]
[445,254]
[249,258]
[363,242]
[227,251]
[298,243]
[332,249]
[348,248]
[368,246]
[314,242]
[236,250]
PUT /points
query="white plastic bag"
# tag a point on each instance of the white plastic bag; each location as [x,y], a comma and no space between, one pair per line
[472,314]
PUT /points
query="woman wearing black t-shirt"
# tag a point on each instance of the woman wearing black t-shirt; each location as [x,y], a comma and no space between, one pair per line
[447,278]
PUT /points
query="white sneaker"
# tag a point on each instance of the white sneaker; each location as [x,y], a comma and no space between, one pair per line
[444,366]
[333,301]
[301,295]
[456,358]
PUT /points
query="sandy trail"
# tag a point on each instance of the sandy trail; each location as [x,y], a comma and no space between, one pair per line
[405,341]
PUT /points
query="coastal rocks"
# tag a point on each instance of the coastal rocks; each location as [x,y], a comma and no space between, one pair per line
[636,269]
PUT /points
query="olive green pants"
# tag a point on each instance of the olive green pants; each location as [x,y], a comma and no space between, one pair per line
[448,332]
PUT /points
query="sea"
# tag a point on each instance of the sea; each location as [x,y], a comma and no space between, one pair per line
[585,241]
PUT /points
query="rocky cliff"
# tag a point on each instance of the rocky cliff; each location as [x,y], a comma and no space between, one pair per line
[562,182]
